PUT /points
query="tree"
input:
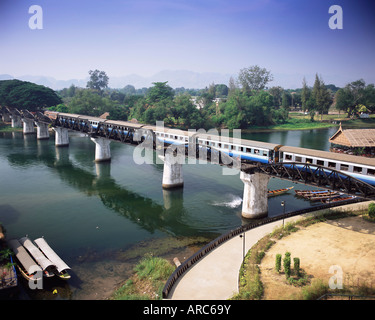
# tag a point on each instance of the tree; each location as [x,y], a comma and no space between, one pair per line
[98,80]
[276,92]
[321,95]
[159,91]
[354,94]
[231,86]
[305,95]
[27,95]
[254,78]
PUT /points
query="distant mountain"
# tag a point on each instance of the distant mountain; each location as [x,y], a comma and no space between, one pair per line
[175,78]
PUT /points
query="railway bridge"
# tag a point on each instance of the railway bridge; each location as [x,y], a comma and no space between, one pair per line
[254,174]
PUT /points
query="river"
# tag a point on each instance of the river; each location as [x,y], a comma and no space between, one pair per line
[102,218]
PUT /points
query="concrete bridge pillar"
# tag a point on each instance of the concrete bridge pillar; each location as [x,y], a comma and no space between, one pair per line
[42,130]
[172,173]
[6,117]
[102,149]
[255,198]
[16,121]
[61,136]
[28,126]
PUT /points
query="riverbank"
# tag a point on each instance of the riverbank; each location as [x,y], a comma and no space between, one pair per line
[300,122]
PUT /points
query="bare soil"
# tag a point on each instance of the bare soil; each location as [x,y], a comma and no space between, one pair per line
[348,243]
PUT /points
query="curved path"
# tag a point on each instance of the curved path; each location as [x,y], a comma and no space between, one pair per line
[215,277]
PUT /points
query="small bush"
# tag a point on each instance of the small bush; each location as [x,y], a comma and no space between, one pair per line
[296,266]
[286,263]
[278,262]
[315,290]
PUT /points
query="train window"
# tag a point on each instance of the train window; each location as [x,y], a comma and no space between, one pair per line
[248,150]
[298,159]
[288,157]
[231,147]
[357,169]
[175,137]
[344,167]
[213,144]
[265,153]
[219,145]
[207,143]
[256,151]
[240,149]
[309,160]
[371,172]
[162,134]
[331,165]
[225,146]
[320,162]
[181,138]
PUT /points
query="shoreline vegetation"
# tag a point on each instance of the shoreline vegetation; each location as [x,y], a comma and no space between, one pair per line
[296,121]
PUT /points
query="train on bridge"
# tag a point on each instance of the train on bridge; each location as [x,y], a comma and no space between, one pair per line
[246,150]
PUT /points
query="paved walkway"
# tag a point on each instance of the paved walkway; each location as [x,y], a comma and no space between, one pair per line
[215,277]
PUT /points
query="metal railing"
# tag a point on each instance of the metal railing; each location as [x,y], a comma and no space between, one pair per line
[187,264]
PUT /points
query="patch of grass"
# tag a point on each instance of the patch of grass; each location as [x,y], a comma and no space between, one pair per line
[148,281]
[8,128]
[250,286]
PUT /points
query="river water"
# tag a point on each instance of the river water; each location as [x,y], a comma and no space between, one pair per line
[102,218]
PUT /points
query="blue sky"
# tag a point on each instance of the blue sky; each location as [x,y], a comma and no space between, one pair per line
[291,38]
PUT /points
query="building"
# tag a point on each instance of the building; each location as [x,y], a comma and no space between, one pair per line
[354,141]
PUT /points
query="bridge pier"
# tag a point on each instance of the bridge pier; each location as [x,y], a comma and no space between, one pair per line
[6,117]
[172,172]
[255,198]
[28,126]
[61,136]
[42,130]
[16,121]
[102,149]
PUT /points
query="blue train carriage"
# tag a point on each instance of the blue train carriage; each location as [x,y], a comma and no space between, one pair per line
[246,150]
[172,136]
[361,168]
[126,130]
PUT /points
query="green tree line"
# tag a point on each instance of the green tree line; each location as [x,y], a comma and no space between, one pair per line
[245,102]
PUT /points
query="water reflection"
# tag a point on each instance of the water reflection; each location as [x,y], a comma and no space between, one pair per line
[141,210]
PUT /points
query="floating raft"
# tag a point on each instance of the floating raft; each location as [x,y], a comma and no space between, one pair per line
[272,193]
[61,266]
[46,264]
[25,260]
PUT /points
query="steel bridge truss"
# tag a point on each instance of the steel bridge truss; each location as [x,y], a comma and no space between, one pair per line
[315,175]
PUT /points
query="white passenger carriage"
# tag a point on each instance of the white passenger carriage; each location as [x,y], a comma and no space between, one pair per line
[361,168]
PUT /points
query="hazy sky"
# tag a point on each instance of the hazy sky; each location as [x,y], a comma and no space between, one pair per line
[291,38]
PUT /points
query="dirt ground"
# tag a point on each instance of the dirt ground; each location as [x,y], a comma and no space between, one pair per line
[348,243]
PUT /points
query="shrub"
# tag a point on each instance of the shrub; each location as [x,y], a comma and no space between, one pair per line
[278,262]
[371,210]
[287,264]
[296,266]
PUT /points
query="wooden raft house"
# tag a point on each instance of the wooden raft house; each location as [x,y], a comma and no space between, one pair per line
[354,141]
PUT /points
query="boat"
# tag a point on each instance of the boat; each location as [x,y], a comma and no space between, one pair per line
[29,269]
[62,268]
[338,199]
[324,196]
[272,193]
[46,265]
[303,193]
